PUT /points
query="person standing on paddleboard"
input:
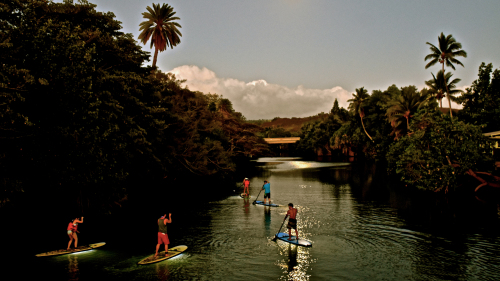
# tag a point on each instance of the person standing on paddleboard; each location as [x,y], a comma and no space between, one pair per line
[72,230]
[292,221]
[267,191]
[162,233]
[246,185]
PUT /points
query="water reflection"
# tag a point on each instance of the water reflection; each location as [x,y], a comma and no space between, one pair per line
[246,205]
[73,273]
[162,271]
[267,221]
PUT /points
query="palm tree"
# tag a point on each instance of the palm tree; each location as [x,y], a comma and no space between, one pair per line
[448,49]
[161,28]
[441,83]
[356,105]
[437,87]
[402,107]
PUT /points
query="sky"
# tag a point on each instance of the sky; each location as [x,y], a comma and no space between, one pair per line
[292,58]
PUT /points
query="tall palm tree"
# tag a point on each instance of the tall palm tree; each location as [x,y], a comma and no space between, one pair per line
[402,107]
[161,28]
[356,105]
[448,49]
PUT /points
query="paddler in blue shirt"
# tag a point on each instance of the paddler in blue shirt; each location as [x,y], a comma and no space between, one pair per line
[162,233]
[267,191]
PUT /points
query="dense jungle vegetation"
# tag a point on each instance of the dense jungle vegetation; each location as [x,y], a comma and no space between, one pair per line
[83,120]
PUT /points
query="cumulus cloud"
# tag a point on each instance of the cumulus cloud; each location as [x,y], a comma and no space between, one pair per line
[260,99]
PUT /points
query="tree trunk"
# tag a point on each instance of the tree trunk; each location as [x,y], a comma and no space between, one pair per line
[155,57]
[447,93]
[365,129]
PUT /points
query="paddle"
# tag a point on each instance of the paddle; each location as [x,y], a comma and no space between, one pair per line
[274,239]
[257,197]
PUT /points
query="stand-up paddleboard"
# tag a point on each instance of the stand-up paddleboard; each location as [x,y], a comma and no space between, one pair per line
[72,251]
[301,242]
[267,205]
[243,195]
[172,252]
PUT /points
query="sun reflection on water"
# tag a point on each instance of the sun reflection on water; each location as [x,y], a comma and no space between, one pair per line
[295,263]
[295,164]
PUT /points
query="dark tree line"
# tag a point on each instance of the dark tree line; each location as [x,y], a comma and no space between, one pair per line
[81,116]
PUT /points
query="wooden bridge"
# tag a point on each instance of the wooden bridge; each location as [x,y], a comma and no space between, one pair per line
[281,140]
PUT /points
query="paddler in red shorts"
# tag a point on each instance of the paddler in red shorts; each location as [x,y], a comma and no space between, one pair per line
[246,185]
[162,233]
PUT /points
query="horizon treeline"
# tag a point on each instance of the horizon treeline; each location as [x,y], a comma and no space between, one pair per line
[83,121]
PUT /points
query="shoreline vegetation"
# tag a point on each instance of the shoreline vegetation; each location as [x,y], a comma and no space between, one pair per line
[86,122]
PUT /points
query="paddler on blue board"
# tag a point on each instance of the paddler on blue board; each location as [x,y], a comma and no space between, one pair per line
[267,191]
[162,233]
[292,221]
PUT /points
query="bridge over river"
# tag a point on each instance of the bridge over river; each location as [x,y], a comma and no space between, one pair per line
[281,140]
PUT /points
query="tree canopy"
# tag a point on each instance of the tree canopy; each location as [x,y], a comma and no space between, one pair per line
[81,114]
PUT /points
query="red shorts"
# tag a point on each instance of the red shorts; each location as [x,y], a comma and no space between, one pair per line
[163,238]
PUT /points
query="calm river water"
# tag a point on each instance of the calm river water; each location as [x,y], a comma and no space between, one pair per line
[359,229]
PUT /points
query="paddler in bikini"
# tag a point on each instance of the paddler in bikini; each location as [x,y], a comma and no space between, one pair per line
[292,221]
[162,233]
[72,230]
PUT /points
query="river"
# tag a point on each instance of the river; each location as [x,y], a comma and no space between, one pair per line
[360,230]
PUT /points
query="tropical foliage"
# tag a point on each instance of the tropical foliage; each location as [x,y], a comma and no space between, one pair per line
[438,153]
[481,101]
[402,107]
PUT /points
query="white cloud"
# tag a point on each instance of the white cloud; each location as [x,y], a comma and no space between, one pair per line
[260,99]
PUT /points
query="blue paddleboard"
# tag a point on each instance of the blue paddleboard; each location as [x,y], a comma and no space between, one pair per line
[267,205]
[301,242]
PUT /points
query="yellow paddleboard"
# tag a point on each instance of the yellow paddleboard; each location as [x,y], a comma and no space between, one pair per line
[172,252]
[72,251]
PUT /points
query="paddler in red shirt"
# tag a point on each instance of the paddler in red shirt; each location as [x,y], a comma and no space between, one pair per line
[246,185]
[72,230]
